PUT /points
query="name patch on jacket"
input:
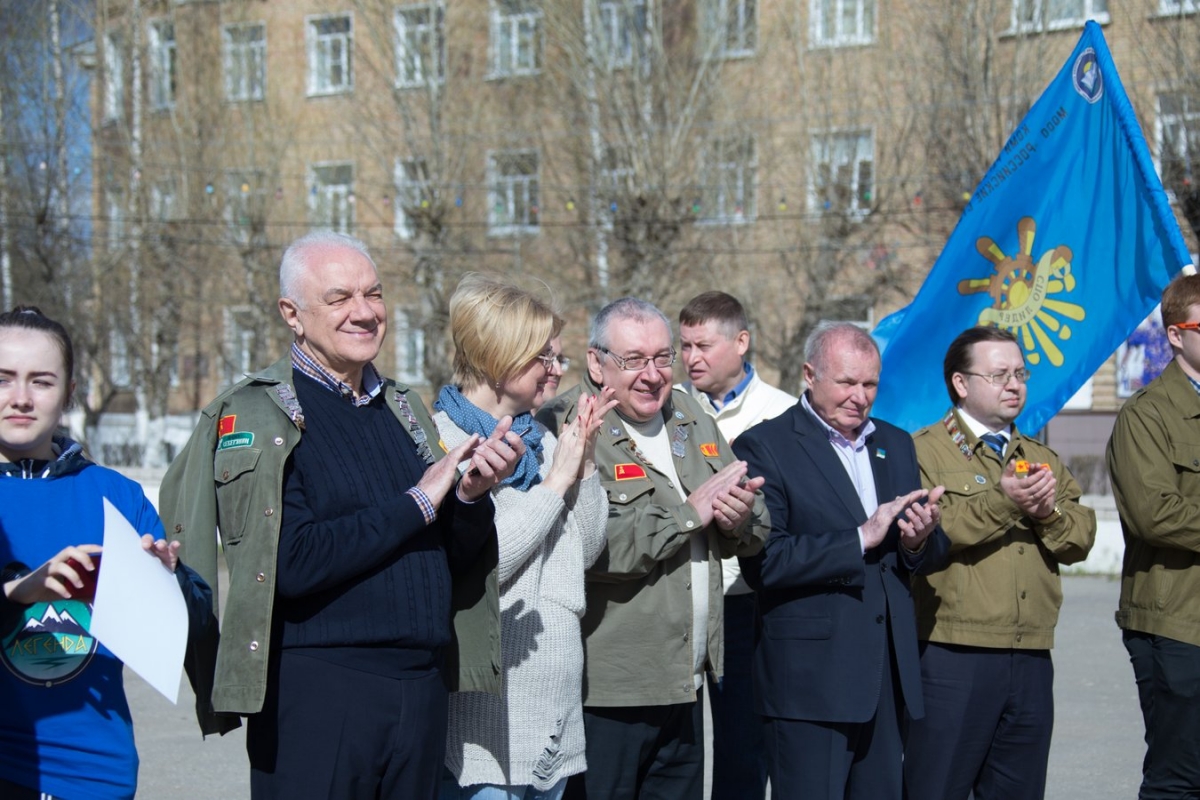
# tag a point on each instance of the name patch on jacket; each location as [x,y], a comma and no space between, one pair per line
[627,472]
[232,440]
[709,449]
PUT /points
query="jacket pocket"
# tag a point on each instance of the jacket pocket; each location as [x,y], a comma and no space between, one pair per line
[623,493]
[797,627]
[233,473]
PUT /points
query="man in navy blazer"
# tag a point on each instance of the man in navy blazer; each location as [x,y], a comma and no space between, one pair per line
[836,664]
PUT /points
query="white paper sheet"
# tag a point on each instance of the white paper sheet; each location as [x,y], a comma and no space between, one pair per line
[139,613]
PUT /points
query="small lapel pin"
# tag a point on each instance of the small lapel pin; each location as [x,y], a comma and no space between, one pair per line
[880,452]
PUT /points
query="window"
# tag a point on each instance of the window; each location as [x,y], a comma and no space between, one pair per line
[836,23]
[1178,132]
[843,173]
[114,78]
[1037,15]
[120,366]
[412,194]
[615,176]
[163,64]
[731,26]
[728,180]
[245,61]
[331,199]
[245,204]
[513,195]
[114,201]
[163,201]
[330,46]
[1168,7]
[420,46]
[622,31]
[410,349]
[516,35]
[240,344]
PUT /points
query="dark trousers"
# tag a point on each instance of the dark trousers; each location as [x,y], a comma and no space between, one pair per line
[988,718]
[1168,682]
[642,753]
[838,760]
[739,761]
[332,732]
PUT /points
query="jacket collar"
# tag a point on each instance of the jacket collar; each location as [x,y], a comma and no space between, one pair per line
[1179,390]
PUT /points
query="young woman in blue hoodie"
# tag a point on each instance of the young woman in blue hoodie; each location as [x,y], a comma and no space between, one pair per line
[65,729]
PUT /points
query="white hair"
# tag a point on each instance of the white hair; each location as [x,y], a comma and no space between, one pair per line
[297,258]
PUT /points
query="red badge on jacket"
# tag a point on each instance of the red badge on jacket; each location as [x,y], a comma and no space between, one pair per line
[226,425]
[709,449]
[626,472]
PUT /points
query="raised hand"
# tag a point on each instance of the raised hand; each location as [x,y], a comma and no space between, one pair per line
[494,460]
[705,495]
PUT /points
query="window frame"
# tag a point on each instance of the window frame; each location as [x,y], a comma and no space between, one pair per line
[239,344]
[1037,23]
[252,58]
[332,193]
[409,344]
[622,25]
[433,28]
[409,192]
[240,204]
[313,41]
[506,194]
[1187,121]
[715,166]
[718,14]
[829,141]
[1175,8]
[163,55]
[532,13]
[863,34]
[114,77]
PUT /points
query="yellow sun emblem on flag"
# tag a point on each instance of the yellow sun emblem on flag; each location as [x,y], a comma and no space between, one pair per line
[1023,291]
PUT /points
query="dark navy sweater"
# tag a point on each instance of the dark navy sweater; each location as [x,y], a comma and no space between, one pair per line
[361,578]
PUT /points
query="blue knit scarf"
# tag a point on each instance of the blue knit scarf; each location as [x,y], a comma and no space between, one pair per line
[471,419]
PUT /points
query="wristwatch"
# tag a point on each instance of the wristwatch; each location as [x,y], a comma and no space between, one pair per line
[1051,518]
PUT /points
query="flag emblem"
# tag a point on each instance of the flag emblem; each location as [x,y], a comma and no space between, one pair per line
[226,425]
[1022,293]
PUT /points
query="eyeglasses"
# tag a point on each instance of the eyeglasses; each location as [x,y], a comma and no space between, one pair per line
[639,363]
[548,361]
[1188,326]
[1001,379]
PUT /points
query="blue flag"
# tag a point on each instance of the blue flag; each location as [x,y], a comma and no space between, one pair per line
[1067,242]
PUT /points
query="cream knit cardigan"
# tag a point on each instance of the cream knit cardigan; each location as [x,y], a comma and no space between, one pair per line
[533,735]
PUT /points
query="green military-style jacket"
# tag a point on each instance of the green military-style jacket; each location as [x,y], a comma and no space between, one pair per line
[638,624]
[1000,585]
[1154,463]
[232,482]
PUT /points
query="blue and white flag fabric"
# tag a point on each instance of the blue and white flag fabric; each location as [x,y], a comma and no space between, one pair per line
[1067,242]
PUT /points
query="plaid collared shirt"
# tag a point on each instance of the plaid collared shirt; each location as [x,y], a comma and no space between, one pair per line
[372,382]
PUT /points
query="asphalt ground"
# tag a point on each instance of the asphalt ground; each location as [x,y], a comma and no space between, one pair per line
[1096,753]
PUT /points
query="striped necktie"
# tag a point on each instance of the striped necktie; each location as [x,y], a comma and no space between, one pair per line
[996,442]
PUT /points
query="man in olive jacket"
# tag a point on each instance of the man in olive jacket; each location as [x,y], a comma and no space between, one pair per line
[986,618]
[1154,463]
[678,502]
[341,525]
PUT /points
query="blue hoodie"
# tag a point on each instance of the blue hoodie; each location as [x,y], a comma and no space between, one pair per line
[65,727]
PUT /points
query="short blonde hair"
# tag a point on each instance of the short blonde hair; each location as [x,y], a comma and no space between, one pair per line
[498,328]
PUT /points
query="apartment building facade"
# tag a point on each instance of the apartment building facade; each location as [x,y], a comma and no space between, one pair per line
[809,156]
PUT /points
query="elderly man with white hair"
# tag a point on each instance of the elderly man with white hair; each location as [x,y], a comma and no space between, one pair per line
[349,539]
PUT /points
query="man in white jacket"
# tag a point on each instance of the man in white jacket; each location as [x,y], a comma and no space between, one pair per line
[714,339]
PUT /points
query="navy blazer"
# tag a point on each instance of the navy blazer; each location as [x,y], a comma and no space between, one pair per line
[823,604]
